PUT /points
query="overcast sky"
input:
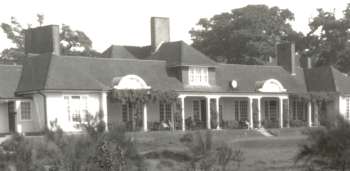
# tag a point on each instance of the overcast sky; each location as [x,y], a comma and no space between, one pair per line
[126,22]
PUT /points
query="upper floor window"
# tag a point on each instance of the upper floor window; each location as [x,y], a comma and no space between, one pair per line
[25,111]
[198,76]
[347,107]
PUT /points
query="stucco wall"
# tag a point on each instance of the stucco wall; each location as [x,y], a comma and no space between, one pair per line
[56,109]
[4,121]
[228,109]
[342,106]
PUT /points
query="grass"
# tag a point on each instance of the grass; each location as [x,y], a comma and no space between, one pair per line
[261,153]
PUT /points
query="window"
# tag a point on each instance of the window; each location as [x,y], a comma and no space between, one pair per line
[347,107]
[76,107]
[298,110]
[196,110]
[271,109]
[25,111]
[241,110]
[165,112]
[198,76]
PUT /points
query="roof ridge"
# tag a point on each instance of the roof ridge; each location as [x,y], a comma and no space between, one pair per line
[267,66]
[112,59]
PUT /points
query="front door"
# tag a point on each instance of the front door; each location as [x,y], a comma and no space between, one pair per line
[12,116]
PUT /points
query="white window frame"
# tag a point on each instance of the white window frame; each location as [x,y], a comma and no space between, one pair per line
[198,76]
[21,111]
[165,111]
[83,106]
[347,108]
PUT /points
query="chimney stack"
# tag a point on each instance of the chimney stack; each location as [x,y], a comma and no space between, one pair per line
[306,62]
[43,39]
[286,56]
[160,32]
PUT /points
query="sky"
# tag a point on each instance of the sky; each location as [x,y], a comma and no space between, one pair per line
[127,22]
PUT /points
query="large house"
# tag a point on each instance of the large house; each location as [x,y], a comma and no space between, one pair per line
[53,87]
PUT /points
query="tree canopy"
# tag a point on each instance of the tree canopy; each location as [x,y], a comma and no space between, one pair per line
[245,35]
[328,41]
[73,42]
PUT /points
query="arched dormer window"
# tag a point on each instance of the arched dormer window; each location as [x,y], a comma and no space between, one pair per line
[129,82]
[270,85]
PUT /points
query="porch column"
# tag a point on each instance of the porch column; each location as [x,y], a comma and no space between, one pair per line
[217,113]
[251,113]
[182,99]
[281,111]
[208,113]
[18,115]
[309,114]
[259,112]
[105,109]
[145,120]
[316,113]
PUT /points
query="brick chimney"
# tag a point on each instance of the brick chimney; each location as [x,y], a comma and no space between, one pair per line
[160,31]
[43,39]
[285,53]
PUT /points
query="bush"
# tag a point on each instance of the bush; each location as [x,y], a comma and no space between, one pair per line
[327,148]
[232,124]
[270,124]
[95,150]
[297,123]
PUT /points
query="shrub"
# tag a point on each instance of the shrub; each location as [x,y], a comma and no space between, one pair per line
[232,124]
[297,123]
[270,123]
[327,148]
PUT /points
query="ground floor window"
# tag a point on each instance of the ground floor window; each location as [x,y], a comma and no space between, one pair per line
[165,112]
[241,110]
[76,107]
[25,111]
[271,109]
[127,110]
[196,110]
[298,109]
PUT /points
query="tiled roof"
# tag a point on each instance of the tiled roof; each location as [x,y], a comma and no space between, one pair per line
[128,52]
[48,72]
[9,76]
[181,54]
[248,75]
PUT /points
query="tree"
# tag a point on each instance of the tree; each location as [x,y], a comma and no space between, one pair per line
[73,42]
[246,35]
[328,41]
[327,148]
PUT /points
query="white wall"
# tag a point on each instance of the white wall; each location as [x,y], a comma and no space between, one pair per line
[56,109]
[342,106]
[4,120]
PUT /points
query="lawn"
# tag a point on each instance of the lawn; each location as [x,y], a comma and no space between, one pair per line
[260,153]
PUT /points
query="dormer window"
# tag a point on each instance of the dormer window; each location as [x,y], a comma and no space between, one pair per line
[198,76]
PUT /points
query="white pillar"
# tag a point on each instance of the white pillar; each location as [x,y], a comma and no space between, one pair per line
[259,112]
[217,113]
[309,113]
[145,120]
[18,116]
[251,113]
[208,114]
[281,112]
[105,109]
[183,113]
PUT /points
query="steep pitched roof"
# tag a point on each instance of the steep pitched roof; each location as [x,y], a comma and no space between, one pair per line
[327,79]
[248,75]
[84,73]
[181,54]
[128,52]
[117,52]
[9,76]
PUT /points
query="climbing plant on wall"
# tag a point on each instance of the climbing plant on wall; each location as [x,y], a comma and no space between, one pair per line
[136,98]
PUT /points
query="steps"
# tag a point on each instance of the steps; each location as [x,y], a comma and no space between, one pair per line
[264,132]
